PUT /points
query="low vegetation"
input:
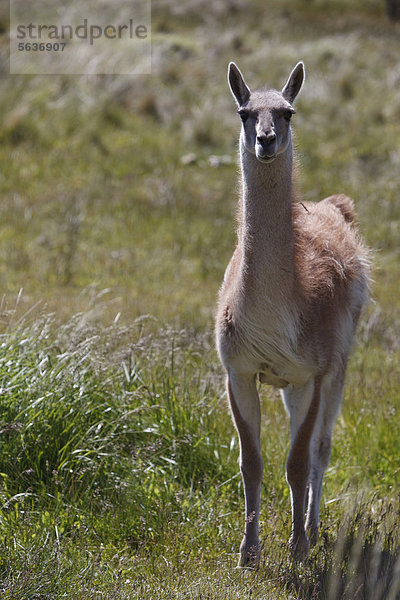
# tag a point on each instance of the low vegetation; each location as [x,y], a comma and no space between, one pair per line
[118,459]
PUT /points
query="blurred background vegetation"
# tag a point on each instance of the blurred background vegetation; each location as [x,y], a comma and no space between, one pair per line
[118,196]
[129,183]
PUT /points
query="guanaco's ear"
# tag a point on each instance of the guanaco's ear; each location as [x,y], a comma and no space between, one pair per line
[295,82]
[239,89]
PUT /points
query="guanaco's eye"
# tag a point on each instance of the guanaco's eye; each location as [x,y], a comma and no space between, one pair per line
[288,115]
[243,115]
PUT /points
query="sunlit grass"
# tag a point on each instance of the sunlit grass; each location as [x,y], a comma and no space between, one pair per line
[119,471]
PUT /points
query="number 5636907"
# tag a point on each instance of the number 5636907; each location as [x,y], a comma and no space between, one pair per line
[41,46]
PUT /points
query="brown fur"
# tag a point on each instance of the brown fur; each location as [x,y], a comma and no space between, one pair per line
[327,252]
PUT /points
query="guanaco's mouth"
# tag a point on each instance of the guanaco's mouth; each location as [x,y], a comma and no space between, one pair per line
[266,159]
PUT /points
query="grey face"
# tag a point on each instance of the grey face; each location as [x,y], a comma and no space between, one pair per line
[265,114]
[266,124]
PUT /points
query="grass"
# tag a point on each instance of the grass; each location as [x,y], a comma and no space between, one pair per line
[118,459]
[120,479]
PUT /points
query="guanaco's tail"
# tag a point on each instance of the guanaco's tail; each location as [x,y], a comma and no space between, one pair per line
[345,205]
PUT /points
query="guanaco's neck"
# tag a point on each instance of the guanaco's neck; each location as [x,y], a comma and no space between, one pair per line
[265,223]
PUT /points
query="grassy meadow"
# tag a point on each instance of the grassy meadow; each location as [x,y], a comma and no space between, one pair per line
[118,459]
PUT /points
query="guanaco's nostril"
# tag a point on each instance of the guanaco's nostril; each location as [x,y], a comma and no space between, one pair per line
[266,138]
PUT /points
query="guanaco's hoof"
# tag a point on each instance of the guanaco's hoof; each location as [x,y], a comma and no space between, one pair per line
[313,534]
[250,557]
[299,547]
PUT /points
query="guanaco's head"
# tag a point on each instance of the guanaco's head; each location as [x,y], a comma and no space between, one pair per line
[265,114]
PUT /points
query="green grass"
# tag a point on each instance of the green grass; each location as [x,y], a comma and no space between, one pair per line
[119,473]
[118,458]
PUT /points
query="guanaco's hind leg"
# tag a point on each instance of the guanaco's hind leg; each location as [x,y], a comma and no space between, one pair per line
[331,397]
[302,405]
[245,406]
